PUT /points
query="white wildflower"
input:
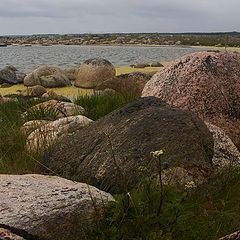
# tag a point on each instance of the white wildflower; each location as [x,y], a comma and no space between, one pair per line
[157,154]
[190,185]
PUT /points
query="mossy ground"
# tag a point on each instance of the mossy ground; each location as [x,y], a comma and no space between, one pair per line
[74,91]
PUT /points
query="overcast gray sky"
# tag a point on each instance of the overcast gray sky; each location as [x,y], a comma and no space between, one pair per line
[98,16]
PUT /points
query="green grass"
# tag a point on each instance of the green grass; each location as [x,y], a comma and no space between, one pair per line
[206,213]
[209,212]
[13,157]
[97,105]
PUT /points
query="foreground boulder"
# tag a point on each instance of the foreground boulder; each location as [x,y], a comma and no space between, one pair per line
[207,83]
[10,233]
[49,133]
[111,152]
[49,207]
[47,76]
[93,72]
[131,83]
[57,108]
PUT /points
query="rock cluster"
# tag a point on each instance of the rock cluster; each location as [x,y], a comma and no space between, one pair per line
[47,76]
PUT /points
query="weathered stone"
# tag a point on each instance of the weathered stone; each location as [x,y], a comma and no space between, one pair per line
[71,73]
[140,65]
[233,236]
[8,75]
[30,126]
[48,134]
[225,152]
[35,91]
[49,94]
[156,64]
[11,75]
[131,83]
[10,233]
[47,76]
[49,207]
[5,85]
[6,99]
[207,83]
[93,72]
[110,151]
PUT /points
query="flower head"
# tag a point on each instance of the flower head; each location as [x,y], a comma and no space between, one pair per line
[157,154]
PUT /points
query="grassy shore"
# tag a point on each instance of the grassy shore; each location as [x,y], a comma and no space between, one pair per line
[74,91]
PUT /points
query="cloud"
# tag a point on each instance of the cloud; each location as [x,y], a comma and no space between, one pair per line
[77,16]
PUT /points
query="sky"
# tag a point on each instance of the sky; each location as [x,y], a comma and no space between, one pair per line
[102,16]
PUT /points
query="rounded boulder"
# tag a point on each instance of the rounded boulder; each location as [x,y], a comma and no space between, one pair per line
[207,83]
[47,76]
[112,152]
[93,72]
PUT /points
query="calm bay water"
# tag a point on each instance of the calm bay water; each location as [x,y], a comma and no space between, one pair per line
[29,58]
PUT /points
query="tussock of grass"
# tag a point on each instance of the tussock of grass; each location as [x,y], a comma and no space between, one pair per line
[13,157]
[97,106]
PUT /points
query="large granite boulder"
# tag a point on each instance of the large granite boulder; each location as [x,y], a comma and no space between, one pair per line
[130,83]
[47,76]
[49,207]
[11,75]
[111,152]
[49,133]
[93,72]
[207,83]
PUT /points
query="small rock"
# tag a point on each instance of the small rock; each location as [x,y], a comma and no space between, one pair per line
[48,134]
[35,91]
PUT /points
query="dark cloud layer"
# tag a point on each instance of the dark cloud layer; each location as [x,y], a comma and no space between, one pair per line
[78,16]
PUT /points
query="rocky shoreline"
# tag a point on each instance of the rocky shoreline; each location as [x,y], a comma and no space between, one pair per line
[186,117]
[149,39]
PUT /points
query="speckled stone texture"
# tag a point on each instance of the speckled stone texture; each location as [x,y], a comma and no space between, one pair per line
[49,207]
[207,83]
[111,152]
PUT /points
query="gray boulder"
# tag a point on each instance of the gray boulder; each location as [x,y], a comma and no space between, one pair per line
[11,75]
[111,152]
[47,76]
